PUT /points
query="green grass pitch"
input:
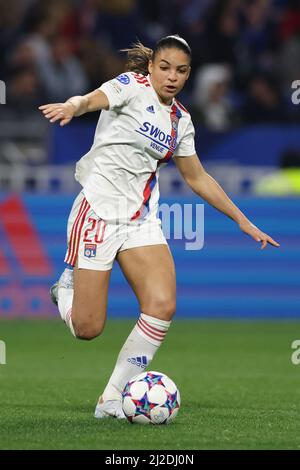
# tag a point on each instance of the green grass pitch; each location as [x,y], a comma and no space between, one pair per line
[239,387]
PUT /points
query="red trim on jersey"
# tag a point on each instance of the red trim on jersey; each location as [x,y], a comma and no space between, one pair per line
[173,134]
[181,106]
[147,190]
[146,194]
[141,79]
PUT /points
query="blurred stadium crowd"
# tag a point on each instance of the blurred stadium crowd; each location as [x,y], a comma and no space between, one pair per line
[245,52]
[245,60]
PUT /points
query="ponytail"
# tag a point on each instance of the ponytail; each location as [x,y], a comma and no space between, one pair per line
[138,57]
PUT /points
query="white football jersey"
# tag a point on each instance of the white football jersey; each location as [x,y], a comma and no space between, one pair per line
[133,139]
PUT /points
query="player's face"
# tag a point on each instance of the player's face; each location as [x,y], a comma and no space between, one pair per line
[169,71]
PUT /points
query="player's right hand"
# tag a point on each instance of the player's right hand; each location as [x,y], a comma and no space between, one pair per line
[62,112]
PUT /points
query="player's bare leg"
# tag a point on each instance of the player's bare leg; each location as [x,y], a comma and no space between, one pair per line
[89,302]
[151,273]
[82,301]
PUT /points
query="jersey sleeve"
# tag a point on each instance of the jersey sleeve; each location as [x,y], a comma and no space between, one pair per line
[186,146]
[119,90]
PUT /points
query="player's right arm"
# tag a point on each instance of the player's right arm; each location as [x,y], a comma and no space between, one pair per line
[75,106]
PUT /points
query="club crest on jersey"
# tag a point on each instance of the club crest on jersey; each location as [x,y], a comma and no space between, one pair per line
[123,78]
[90,250]
[150,109]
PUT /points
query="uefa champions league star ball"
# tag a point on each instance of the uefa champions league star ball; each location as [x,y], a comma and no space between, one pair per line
[151,397]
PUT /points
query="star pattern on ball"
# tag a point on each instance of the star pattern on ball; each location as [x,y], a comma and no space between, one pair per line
[171,401]
[126,391]
[143,406]
[153,379]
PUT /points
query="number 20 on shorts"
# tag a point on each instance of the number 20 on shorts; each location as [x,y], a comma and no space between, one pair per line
[95,231]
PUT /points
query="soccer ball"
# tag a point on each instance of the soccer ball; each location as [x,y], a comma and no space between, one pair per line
[151,397]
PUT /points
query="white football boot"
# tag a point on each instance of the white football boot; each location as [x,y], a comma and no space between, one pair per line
[65,280]
[109,409]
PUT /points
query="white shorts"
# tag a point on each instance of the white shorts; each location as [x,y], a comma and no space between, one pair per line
[95,243]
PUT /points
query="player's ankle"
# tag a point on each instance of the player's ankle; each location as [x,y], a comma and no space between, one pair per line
[110,394]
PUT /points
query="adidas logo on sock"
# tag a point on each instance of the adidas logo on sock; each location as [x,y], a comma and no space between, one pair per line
[150,109]
[140,361]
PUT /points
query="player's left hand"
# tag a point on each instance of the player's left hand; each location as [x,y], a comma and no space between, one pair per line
[258,235]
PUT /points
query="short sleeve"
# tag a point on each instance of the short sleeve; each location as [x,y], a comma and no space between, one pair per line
[119,90]
[186,146]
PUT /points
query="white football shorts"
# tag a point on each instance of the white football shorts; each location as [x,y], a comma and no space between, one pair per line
[94,243]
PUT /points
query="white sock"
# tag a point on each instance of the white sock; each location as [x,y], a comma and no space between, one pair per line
[136,354]
[65,301]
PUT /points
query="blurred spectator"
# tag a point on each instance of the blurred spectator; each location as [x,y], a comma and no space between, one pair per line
[100,63]
[288,61]
[263,102]
[257,36]
[222,29]
[117,22]
[290,21]
[61,73]
[157,18]
[42,24]
[285,181]
[210,98]
[24,91]
[11,17]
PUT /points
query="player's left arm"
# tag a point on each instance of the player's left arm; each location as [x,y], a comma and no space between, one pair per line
[208,189]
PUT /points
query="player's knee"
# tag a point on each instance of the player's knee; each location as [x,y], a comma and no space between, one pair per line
[161,307]
[87,331]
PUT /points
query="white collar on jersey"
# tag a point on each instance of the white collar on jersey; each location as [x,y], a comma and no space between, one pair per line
[165,106]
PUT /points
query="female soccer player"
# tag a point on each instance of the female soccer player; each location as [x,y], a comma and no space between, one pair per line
[141,126]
